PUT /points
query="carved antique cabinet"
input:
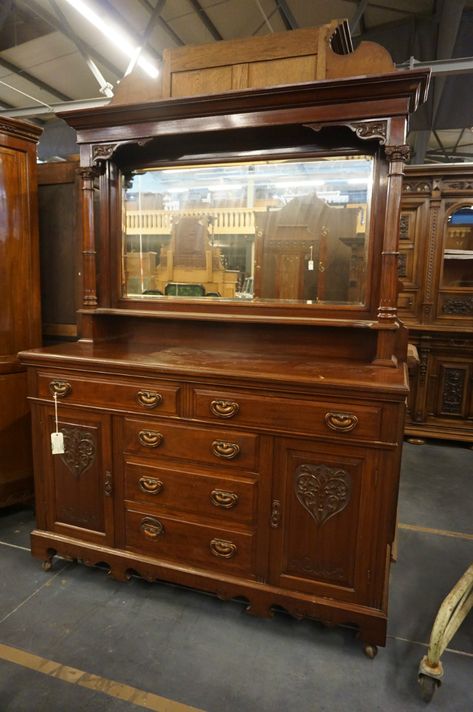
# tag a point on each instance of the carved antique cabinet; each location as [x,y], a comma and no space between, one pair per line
[436,301]
[20,325]
[232,416]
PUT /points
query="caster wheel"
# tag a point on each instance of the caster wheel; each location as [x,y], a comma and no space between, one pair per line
[427,687]
[47,565]
[370,651]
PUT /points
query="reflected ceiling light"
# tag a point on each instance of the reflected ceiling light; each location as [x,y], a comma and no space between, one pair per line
[115,35]
[224,186]
[297,183]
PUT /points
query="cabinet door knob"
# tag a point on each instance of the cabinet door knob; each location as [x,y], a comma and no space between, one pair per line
[60,388]
[341,422]
[149,399]
[151,527]
[228,451]
[150,485]
[150,438]
[224,408]
[223,549]
[223,499]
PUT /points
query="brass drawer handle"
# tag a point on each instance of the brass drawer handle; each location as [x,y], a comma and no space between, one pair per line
[223,499]
[150,438]
[223,549]
[224,408]
[341,422]
[150,485]
[228,451]
[149,399]
[151,527]
[60,388]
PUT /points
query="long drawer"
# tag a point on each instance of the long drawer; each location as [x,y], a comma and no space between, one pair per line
[207,547]
[216,446]
[288,414]
[223,499]
[157,397]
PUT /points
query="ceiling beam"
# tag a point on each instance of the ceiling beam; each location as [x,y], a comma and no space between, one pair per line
[357,15]
[152,20]
[105,87]
[287,16]
[206,20]
[15,69]
[124,24]
[31,8]
[458,65]
[54,108]
[166,26]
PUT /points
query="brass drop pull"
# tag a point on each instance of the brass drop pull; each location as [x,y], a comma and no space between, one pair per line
[223,499]
[341,422]
[151,527]
[224,408]
[60,388]
[228,451]
[276,514]
[150,485]
[150,438]
[149,399]
[223,549]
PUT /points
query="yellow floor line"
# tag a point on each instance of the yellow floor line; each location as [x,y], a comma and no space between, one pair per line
[440,532]
[92,682]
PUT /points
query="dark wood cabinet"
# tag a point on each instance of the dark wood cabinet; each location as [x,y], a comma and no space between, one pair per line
[436,301]
[223,431]
[59,233]
[20,302]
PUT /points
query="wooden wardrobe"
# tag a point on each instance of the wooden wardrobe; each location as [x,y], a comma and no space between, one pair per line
[20,321]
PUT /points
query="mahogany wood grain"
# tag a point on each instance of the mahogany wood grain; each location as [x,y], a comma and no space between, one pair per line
[20,301]
[312,451]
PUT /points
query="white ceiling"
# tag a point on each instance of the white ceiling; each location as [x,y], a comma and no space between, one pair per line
[40,64]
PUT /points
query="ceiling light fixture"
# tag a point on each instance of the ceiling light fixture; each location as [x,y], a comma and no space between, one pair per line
[115,35]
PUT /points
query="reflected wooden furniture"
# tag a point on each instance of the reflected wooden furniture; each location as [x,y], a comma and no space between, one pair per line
[436,300]
[190,258]
[20,326]
[59,230]
[245,448]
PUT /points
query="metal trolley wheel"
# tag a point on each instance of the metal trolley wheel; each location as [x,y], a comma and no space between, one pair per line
[450,616]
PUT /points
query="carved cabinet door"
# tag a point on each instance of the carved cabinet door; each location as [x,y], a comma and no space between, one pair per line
[78,484]
[323,517]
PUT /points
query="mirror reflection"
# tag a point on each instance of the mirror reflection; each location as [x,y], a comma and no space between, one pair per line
[285,230]
[458,254]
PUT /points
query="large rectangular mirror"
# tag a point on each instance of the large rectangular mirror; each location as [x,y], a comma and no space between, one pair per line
[291,230]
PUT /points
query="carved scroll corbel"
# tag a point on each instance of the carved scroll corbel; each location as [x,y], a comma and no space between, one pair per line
[365,130]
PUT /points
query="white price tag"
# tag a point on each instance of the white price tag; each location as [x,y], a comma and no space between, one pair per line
[310,265]
[57,443]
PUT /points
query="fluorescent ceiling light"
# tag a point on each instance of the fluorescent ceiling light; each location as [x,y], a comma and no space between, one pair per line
[297,183]
[115,35]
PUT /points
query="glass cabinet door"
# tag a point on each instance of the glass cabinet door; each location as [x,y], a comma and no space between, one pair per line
[458,253]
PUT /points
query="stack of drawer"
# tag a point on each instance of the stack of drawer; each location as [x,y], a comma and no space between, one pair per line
[191,494]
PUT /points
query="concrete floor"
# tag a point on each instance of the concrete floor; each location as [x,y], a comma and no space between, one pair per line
[123,647]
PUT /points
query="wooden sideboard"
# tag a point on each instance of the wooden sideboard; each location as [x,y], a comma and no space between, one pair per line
[247,445]
[436,300]
[20,325]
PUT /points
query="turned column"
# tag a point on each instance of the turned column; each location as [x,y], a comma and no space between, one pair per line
[387,309]
[89,282]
